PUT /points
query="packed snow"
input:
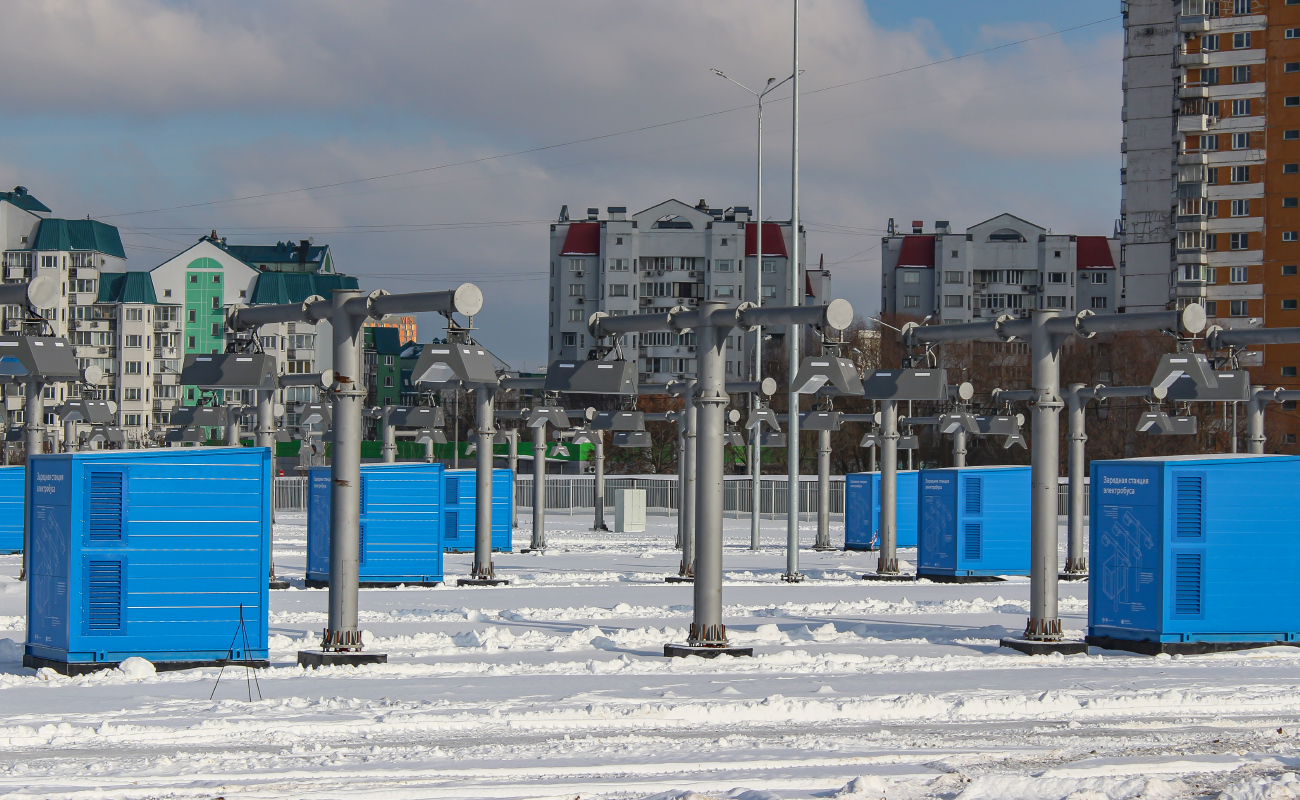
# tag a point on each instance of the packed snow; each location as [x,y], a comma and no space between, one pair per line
[556,687]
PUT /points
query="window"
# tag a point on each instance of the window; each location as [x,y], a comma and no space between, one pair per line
[1240,141]
[911,301]
[216,329]
[1238,308]
[1241,7]
[1056,277]
[1289,372]
[1240,41]
[723,265]
[1241,174]
[1211,241]
[190,343]
[1211,308]
[194,279]
[1210,77]
[954,301]
[724,241]
[1238,241]
[769,266]
[1099,302]
[1291,169]
[131,420]
[1056,301]
[135,341]
[1288,305]
[576,264]
[1289,236]
[1289,269]
[216,304]
[1240,74]
[1289,438]
[1291,135]
[911,277]
[954,277]
[577,290]
[724,291]
[618,240]
[388,381]
[1239,275]
[135,314]
[131,368]
[570,340]
[1211,275]
[1241,208]
[618,290]
[1291,202]
[1056,254]
[1293,33]
[1101,277]
[575,315]
[1241,108]
[1210,142]
[191,315]
[619,265]
[131,394]
[1209,42]
[769,291]
[1291,66]
[956,254]
[1291,101]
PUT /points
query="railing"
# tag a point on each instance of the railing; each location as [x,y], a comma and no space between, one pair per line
[569,494]
[291,494]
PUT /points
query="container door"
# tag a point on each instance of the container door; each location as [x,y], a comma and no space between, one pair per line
[938,521]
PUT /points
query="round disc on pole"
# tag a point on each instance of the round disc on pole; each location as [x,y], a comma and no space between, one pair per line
[92,375]
[43,291]
[769,386]
[1159,392]
[468,299]
[965,390]
[277,410]
[112,406]
[1193,318]
[839,314]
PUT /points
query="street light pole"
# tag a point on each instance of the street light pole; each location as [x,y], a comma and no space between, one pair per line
[792,339]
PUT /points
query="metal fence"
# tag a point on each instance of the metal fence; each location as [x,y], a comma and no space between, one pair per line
[571,494]
[291,494]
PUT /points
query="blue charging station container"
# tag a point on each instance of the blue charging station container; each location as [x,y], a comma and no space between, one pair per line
[12,488]
[152,553]
[1194,553]
[401,515]
[974,522]
[460,487]
[862,510]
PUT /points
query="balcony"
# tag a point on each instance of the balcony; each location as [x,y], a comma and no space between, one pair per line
[1193,256]
[166,325]
[1192,190]
[1195,123]
[1190,222]
[1193,59]
[1193,23]
[1192,159]
[1193,91]
[166,352]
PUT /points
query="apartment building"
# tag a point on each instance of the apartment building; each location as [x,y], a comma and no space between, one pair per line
[1211,173]
[1004,265]
[671,254]
[407,328]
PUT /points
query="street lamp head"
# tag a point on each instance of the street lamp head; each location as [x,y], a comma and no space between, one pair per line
[718,72]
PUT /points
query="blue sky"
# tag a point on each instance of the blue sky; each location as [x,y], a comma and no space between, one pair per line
[144,104]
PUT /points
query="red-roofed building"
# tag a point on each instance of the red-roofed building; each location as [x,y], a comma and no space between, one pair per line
[667,255]
[1005,265]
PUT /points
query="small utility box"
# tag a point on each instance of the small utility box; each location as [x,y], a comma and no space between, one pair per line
[1194,554]
[629,511]
[862,510]
[974,523]
[161,554]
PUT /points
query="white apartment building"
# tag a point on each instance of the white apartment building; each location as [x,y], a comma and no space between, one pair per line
[1004,265]
[668,255]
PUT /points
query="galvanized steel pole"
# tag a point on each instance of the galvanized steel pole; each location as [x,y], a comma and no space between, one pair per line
[538,542]
[823,541]
[887,564]
[792,574]
[388,434]
[1076,561]
[1044,623]
[345,476]
[689,497]
[486,431]
[1259,397]
[512,460]
[711,400]
[598,524]
[959,448]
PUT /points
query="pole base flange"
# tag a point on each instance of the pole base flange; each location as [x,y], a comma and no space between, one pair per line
[277,583]
[311,659]
[825,548]
[533,550]
[893,577]
[796,577]
[482,582]
[679,579]
[688,650]
[1073,576]
[1039,647]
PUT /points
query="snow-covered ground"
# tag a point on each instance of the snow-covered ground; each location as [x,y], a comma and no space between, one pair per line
[556,687]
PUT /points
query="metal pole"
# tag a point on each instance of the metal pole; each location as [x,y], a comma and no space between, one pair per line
[1076,560]
[707,630]
[389,436]
[681,477]
[265,437]
[484,395]
[823,491]
[756,464]
[1255,420]
[232,424]
[689,498]
[512,459]
[910,451]
[599,523]
[539,488]
[888,562]
[792,338]
[455,445]
[345,478]
[1044,622]
[959,448]
[1236,426]
[33,420]
[69,434]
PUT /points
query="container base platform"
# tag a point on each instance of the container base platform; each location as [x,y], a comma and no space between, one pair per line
[277,583]
[332,658]
[315,584]
[961,578]
[861,548]
[86,667]
[1149,648]
[686,651]
[891,577]
[1072,576]
[482,582]
[533,550]
[1035,647]
[679,579]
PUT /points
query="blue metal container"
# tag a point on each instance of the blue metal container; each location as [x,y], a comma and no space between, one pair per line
[1198,551]
[162,554]
[401,514]
[461,489]
[12,487]
[862,510]
[974,522]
